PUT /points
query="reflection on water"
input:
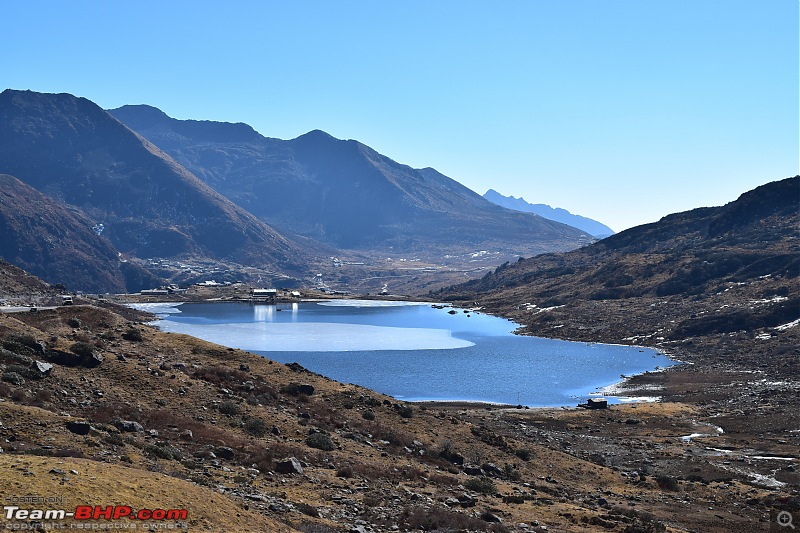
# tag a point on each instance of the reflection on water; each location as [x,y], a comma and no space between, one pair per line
[266,313]
[263,313]
[416,352]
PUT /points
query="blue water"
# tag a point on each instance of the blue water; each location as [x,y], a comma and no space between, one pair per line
[414,352]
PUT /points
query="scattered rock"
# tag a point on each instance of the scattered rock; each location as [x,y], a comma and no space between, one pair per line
[244,368]
[129,426]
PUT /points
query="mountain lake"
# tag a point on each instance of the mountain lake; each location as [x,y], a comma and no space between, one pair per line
[414,351]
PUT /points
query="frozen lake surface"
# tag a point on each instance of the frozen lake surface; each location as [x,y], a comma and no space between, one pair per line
[413,351]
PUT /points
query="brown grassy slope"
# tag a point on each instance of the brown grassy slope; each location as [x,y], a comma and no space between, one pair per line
[88,482]
[716,281]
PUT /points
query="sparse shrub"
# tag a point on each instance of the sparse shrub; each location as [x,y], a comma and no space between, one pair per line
[523,453]
[74,322]
[163,451]
[320,441]
[447,453]
[440,519]
[393,436]
[23,339]
[83,349]
[229,408]
[13,378]
[484,485]
[261,393]
[345,471]
[255,427]
[5,390]
[41,398]
[68,452]
[405,411]
[298,389]
[511,472]
[318,528]
[667,483]
[307,509]
[19,396]
[133,335]
[221,375]
[368,415]
[9,355]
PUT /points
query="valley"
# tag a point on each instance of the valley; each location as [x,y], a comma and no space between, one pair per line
[102,204]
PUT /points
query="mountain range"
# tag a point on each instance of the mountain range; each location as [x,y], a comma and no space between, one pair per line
[344,193]
[155,188]
[592,227]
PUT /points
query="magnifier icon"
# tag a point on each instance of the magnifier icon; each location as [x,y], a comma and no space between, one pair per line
[784,519]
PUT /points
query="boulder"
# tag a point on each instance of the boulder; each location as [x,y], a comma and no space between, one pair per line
[129,426]
[491,469]
[289,466]
[92,361]
[223,452]
[305,388]
[43,369]
[79,427]
[472,470]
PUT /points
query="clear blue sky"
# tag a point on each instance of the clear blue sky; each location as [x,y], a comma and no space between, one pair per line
[620,110]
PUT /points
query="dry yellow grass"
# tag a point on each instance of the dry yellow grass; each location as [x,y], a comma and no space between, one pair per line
[86,482]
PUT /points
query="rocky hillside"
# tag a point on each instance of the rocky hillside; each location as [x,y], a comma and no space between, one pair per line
[16,284]
[592,227]
[706,276]
[58,244]
[70,149]
[344,193]
[105,410]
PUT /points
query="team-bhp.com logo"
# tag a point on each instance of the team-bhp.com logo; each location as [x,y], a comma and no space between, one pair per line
[89,513]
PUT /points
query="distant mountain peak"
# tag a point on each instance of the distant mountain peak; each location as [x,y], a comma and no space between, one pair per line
[145,117]
[558,214]
[145,112]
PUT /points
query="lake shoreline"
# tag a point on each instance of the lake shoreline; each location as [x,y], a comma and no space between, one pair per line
[399,355]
